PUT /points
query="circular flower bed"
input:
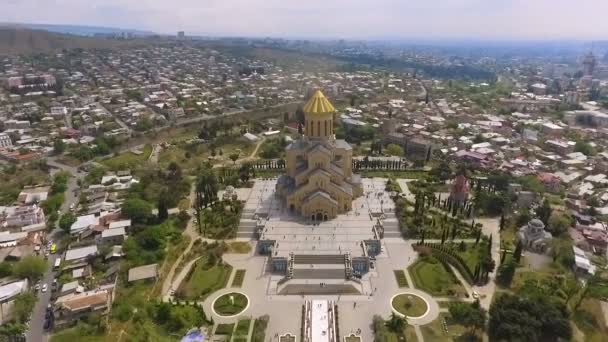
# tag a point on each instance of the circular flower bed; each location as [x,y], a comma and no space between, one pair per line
[230,304]
[409,305]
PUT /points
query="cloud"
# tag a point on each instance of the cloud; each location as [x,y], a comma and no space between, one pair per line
[475,19]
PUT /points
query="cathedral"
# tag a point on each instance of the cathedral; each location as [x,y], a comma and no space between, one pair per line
[319,183]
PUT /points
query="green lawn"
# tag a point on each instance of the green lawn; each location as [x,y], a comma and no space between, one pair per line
[238,247]
[224,329]
[242,327]
[128,160]
[204,280]
[400,277]
[435,332]
[471,254]
[430,275]
[589,318]
[230,304]
[259,329]
[387,335]
[239,277]
[74,334]
[409,305]
[191,156]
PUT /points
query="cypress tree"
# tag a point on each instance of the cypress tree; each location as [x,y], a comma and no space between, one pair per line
[517,252]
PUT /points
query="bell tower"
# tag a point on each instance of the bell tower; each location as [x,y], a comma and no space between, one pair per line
[318,117]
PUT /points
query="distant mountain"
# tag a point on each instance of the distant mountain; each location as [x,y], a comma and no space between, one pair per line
[85,30]
[18,40]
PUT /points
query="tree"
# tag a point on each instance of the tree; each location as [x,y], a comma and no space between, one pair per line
[300,115]
[584,148]
[205,191]
[505,273]
[544,211]
[394,150]
[163,211]
[559,223]
[23,305]
[517,253]
[519,318]
[442,170]
[66,221]
[31,267]
[234,157]
[396,323]
[58,146]
[137,210]
[470,315]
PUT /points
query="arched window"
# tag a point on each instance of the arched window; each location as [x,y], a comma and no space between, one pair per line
[325,127]
[318,128]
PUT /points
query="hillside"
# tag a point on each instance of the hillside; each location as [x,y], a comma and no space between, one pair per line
[16,40]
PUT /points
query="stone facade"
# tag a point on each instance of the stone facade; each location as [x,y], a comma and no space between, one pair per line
[319,183]
[534,237]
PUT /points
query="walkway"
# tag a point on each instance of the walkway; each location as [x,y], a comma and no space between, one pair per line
[190,231]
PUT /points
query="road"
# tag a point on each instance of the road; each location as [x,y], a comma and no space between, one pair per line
[36,331]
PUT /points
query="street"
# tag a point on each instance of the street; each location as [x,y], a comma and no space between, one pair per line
[36,331]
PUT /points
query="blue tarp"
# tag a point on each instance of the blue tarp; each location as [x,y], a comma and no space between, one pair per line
[194,336]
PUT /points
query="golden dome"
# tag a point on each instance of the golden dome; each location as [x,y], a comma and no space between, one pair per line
[318,104]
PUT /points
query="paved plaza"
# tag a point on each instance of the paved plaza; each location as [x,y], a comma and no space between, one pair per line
[340,235]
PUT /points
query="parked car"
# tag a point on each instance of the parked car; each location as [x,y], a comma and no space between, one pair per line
[44,287]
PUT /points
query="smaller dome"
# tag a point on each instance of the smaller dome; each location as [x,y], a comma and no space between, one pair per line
[536,223]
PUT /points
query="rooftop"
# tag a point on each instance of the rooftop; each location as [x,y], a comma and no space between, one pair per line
[143,272]
[318,104]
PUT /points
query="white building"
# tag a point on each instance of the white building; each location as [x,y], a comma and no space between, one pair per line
[5,140]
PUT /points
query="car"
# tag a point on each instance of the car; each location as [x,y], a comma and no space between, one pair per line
[37,287]
[44,287]
[47,324]
[475,295]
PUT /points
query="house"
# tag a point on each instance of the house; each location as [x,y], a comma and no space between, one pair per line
[5,140]
[70,288]
[143,272]
[8,292]
[8,239]
[582,264]
[474,158]
[34,195]
[559,146]
[84,222]
[22,216]
[78,254]
[76,305]
[125,224]
[551,181]
[114,236]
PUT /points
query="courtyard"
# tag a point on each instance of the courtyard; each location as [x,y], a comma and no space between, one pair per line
[376,290]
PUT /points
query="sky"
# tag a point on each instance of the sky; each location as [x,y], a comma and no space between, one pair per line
[348,19]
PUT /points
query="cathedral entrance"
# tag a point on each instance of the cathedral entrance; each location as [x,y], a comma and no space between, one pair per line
[319,217]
